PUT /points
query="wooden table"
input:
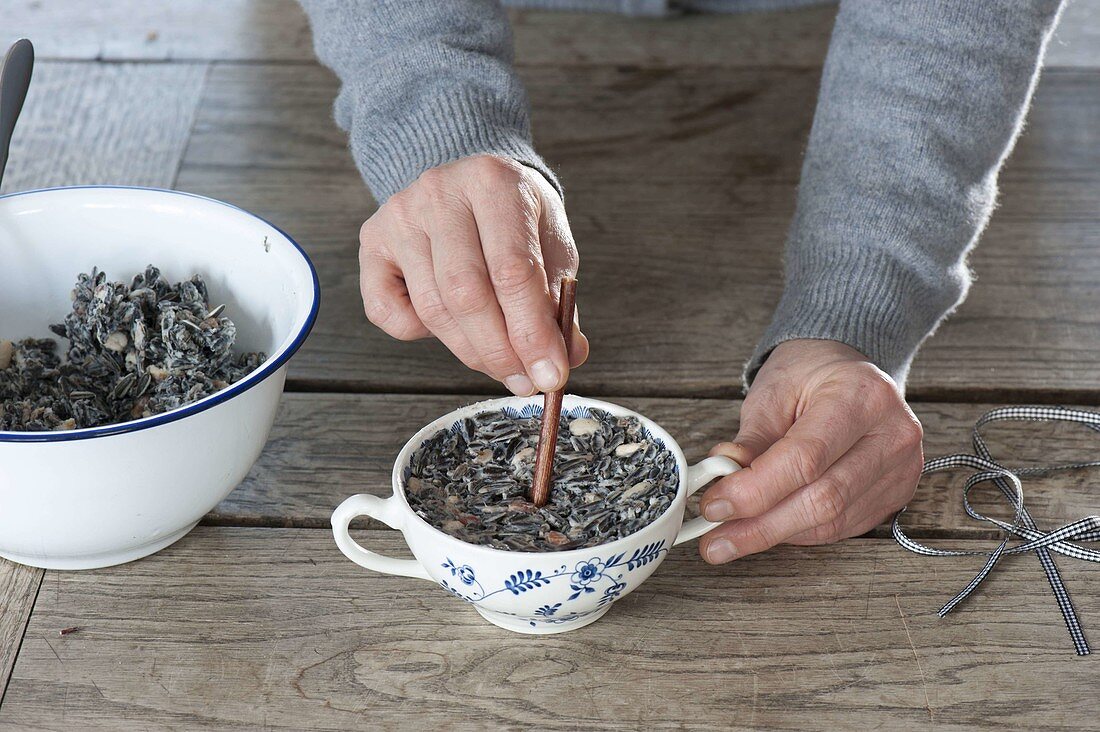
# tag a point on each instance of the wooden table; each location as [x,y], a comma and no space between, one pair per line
[678,141]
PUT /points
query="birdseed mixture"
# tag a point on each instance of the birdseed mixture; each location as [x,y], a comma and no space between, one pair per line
[134,351]
[609,480]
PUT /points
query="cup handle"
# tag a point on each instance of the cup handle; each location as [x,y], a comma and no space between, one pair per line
[385,510]
[699,475]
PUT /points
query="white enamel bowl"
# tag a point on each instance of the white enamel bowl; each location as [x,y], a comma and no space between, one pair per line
[529,592]
[97,497]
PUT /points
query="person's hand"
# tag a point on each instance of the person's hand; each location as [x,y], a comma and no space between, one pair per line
[831,450]
[473,252]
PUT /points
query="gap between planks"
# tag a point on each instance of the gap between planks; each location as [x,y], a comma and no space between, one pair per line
[940,394]
[319,524]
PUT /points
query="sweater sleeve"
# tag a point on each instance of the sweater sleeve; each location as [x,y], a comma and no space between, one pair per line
[920,104]
[422,84]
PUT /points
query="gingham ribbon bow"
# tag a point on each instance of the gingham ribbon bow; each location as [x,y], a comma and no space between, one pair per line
[1023,526]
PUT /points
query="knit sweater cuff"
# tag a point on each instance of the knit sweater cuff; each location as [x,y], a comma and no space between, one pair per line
[444,128]
[865,298]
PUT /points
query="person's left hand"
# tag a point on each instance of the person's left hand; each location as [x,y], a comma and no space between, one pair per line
[830,449]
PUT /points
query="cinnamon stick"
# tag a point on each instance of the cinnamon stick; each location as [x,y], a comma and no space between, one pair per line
[551,409]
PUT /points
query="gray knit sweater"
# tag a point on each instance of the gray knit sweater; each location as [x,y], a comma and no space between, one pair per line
[920,103]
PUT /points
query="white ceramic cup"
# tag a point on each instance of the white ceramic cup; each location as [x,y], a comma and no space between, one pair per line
[101,496]
[529,592]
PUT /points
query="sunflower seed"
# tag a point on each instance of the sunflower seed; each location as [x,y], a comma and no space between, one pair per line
[639,489]
[628,449]
[583,427]
[122,387]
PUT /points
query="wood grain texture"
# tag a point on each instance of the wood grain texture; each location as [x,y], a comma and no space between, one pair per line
[325,447]
[250,628]
[137,30]
[278,30]
[104,123]
[792,37]
[18,588]
[693,172]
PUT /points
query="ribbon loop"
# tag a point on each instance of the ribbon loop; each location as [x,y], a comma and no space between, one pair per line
[1023,526]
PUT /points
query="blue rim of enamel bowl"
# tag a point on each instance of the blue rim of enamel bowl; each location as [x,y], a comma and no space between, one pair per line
[259,375]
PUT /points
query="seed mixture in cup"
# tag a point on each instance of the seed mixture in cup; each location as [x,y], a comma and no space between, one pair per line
[134,351]
[610,479]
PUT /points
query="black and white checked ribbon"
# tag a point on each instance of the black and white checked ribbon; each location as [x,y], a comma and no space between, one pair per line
[1023,526]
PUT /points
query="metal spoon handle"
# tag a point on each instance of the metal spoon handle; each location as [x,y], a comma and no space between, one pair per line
[15,79]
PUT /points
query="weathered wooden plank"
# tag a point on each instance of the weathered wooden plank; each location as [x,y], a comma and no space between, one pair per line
[277,30]
[18,588]
[728,147]
[325,447]
[794,37]
[135,30]
[104,123]
[242,628]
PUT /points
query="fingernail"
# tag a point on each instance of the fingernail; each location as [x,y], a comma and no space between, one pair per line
[545,374]
[520,385]
[720,510]
[721,550]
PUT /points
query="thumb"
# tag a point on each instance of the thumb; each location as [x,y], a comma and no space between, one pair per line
[561,259]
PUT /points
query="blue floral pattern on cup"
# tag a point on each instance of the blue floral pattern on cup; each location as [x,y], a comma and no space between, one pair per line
[585,577]
[586,574]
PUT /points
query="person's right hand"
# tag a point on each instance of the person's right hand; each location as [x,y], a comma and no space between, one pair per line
[473,252]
